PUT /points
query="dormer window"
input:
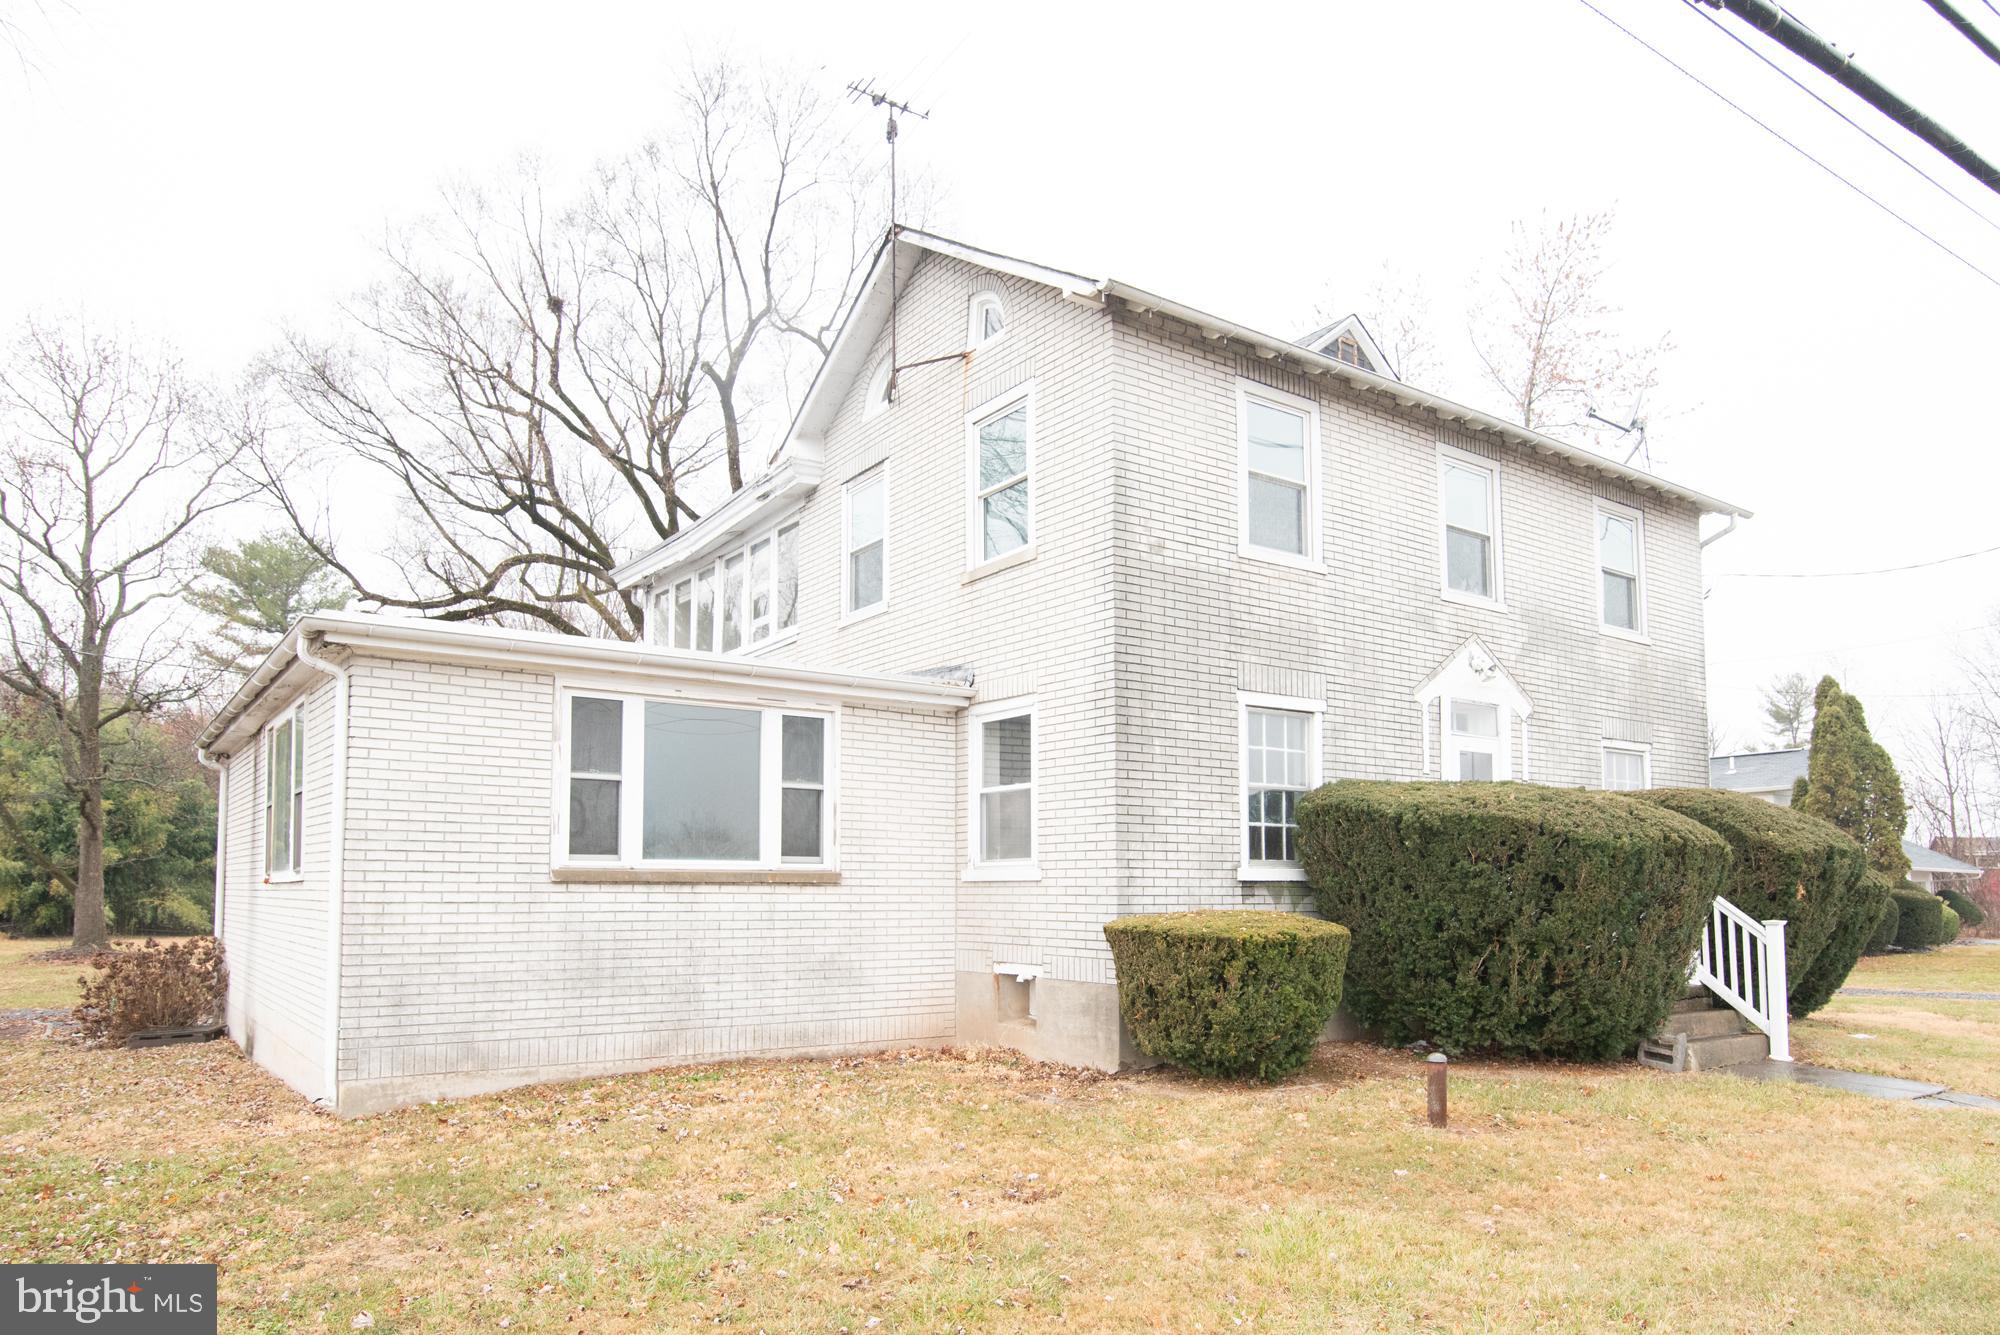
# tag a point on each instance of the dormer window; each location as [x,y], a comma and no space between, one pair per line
[988,321]
[1347,349]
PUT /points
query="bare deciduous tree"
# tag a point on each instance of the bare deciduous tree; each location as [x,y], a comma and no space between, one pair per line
[1546,339]
[1950,779]
[541,383]
[111,462]
[1788,709]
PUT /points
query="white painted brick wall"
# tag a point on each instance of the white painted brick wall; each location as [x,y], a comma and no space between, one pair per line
[465,966]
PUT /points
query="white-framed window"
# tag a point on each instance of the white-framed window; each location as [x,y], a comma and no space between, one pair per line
[1628,767]
[877,400]
[986,320]
[742,601]
[675,783]
[284,796]
[1280,763]
[1001,454]
[1278,448]
[1002,819]
[1469,526]
[1475,740]
[1621,569]
[864,575]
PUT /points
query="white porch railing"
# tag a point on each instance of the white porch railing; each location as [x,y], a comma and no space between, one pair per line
[1742,961]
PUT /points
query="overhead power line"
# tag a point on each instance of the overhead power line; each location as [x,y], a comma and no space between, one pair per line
[1853,574]
[1700,7]
[1775,134]
[1816,51]
[1966,26]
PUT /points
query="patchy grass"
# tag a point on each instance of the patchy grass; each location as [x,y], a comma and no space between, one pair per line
[1963,967]
[29,983]
[934,1191]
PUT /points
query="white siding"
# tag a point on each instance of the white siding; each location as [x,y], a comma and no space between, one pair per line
[275,934]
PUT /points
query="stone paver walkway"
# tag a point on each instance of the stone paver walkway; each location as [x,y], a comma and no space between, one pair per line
[1868,1086]
[1918,992]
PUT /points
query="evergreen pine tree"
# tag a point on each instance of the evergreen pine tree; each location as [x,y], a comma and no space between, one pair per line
[1851,781]
[256,590]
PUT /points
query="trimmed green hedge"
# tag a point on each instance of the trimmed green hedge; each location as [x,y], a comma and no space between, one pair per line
[1236,992]
[1920,924]
[1961,903]
[1793,866]
[1948,925]
[1885,928]
[1510,917]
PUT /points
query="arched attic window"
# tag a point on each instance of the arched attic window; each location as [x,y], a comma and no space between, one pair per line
[1479,716]
[987,320]
[877,401]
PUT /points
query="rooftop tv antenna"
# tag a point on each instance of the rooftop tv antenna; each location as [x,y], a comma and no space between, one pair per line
[874,96]
[1636,427]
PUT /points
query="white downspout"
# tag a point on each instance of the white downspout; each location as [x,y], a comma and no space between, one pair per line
[221,828]
[335,864]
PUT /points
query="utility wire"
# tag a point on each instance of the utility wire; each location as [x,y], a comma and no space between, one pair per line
[1966,26]
[1700,9]
[1768,129]
[1852,574]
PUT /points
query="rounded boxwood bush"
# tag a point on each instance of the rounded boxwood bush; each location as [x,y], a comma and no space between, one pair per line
[1885,927]
[1948,924]
[1233,992]
[1796,867]
[1969,913]
[1920,923]
[1510,917]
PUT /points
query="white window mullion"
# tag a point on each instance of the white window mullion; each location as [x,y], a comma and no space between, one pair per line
[631,779]
[770,787]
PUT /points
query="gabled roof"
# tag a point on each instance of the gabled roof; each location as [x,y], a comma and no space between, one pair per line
[1324,339]
[896,260]
[1474,666]
[1938,864]
[1757,771]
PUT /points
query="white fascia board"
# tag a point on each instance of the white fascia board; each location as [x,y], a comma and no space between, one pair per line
[1270,345]
[749,509]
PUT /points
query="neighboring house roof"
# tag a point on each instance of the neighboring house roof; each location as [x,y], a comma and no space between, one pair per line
[504,647]
[895,263]
[1930,860]
[1324,338]
[1757,771]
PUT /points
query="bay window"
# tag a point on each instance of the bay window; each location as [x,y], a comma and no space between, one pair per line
[672,783]
[1619,562]
[1278,443]
[741,601]
[284,796]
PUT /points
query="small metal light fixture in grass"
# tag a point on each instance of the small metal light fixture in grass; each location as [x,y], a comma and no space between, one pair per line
[1436,1065]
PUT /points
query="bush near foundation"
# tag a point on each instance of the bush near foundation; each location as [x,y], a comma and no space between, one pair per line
[1969,913]
[1884,936]
[1509,917]
[1800,868]
[1920,925]
[1948,924]
[182,984]
[1228,992]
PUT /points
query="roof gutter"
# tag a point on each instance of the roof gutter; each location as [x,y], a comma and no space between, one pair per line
[1272,347]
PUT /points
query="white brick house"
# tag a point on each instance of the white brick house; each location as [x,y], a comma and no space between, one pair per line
[1050,625]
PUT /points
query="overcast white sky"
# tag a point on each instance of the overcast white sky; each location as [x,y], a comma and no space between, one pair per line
[208,173]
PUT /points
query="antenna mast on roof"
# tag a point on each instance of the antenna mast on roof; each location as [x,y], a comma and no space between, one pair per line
[876,97]
[1636,426]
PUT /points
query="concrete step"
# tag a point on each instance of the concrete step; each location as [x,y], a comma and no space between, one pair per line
[1704,1002]
[1719,1050]
[1710,1023]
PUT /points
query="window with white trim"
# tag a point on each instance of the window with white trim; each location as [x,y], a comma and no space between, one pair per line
[1002,459]
[284,795]
[1277,436]
[1620,569]
[987,321]
[877,401]
[1476,736]
[676,783]
[741,601]
[1003,786]
[1627,768]
[866,573]
[1280,764]
[1469,500]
